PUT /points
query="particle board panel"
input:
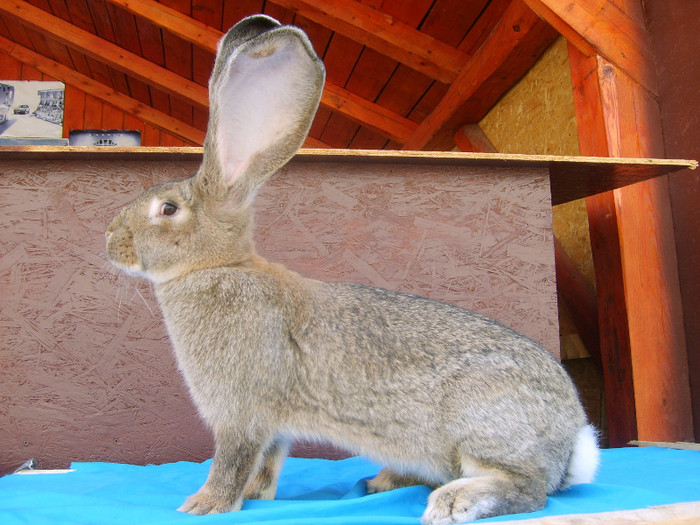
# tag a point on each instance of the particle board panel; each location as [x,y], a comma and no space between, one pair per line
[88,373]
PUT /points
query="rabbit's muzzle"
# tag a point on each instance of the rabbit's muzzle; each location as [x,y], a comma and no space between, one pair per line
[120,248]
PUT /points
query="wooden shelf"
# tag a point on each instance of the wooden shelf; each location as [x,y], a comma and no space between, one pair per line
[571,177]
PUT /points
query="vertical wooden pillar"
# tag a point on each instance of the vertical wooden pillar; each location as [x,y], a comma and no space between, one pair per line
[641,318]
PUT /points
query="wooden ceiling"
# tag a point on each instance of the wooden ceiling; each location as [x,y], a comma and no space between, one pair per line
[400,73]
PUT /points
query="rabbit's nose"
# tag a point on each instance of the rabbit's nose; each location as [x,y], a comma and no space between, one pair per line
[113,226]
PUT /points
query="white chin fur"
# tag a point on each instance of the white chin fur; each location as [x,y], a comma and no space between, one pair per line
[584,459]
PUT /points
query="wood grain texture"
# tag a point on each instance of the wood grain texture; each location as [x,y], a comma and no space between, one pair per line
[88,373]
[678,65]
[641,318]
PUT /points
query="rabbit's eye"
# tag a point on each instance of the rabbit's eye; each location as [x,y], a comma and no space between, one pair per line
[168,208]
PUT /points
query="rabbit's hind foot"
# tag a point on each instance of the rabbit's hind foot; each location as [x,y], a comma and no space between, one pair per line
[387,479]
[494,494]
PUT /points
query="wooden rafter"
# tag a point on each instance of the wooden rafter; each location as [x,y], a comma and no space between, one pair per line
[368,114]
[109,95]
[516,42]
[601,27]
[174,21]
[385,34]
[472,138]
[360,110]
[106,52]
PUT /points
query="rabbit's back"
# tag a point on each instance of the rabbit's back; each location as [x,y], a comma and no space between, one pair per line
[432,376]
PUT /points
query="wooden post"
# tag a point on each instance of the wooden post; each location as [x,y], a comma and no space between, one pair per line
[641,318]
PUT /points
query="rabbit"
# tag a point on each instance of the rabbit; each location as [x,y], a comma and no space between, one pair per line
[437,394]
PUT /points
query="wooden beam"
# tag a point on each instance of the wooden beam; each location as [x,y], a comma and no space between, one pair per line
[313,143]
[514,45]
[472,138]
[127,104]
[367,113]
[601,27]
[580,300]
[106,52]
[174,21]
[336,98]
[385,34]
[640,314]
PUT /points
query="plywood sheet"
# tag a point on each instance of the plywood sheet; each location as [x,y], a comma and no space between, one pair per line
[477,238]
[87,370]
[570,177]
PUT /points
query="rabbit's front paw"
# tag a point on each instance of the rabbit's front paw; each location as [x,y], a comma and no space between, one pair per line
[204,503]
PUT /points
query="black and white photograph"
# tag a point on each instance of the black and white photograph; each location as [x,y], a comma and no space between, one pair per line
[31,109]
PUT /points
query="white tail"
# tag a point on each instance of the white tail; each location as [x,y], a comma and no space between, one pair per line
[585,458]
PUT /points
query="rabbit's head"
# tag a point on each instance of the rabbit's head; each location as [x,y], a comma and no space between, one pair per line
[263,93]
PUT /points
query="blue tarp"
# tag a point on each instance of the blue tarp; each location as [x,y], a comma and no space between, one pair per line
[316,491]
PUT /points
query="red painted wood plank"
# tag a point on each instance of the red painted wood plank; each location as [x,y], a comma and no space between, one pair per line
[108,21]
[202,65]
[38,41]
[126,33]
[513,46]
[235,10]
[371,73]
[150,136]
[483,26]
[133,123]
[320,36]
[404,90]
[80,15]
[641,320]
[339,132]
[74,110]
[60,53]
[80,63]
[139,91]
[10,67]
[151,39]
[340,58]
[99,71]
[410,12]
[112,118]
[368,139]
[181,111]
[208,12]
[450,20]
[93,112]
[178,55]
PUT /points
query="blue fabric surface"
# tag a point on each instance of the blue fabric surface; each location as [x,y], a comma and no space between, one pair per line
[315,491]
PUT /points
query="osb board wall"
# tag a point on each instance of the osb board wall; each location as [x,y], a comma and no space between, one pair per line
[538,117]
[87,371]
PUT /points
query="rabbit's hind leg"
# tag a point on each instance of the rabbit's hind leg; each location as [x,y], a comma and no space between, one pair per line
[264,484]
[492,494]
[387,479]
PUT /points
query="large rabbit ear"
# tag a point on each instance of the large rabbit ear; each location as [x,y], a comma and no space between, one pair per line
[263,94]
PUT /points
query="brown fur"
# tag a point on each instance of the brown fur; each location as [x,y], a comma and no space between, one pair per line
[440,395]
